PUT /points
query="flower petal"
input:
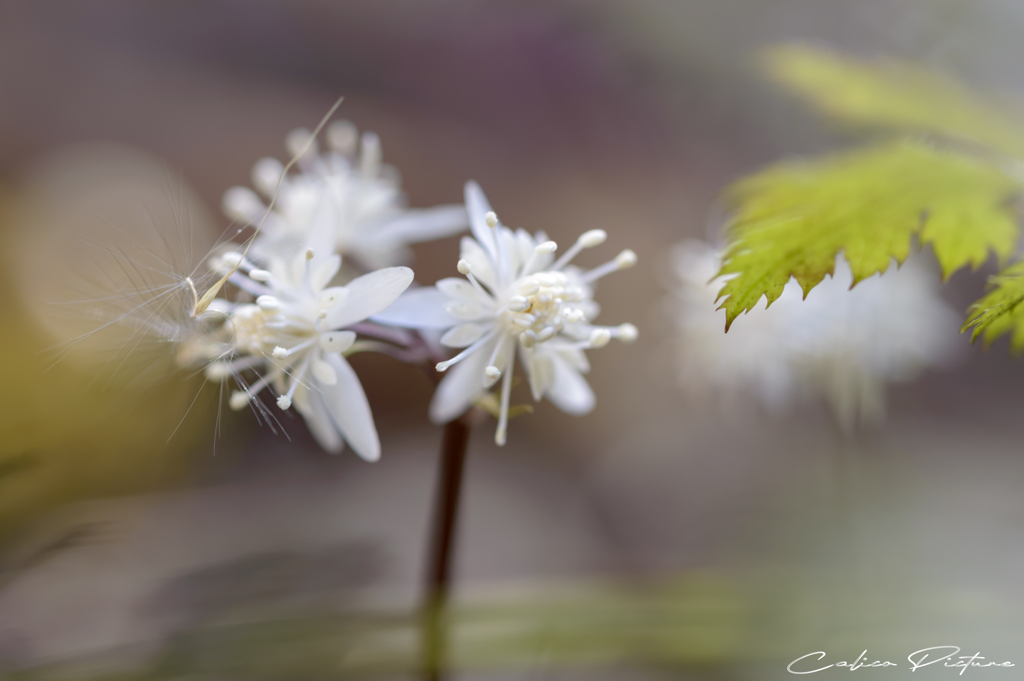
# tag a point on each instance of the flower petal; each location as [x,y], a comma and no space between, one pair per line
[421,308]
[310,404]
[424,225]
[350,411]
[461,289]
[325,271]
[461,386]
[368,295]
[478,207]
[462,335]
[323,371]
[569,391]
[479,261]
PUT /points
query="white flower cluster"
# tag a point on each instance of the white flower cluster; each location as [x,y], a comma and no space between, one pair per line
[841,344]
[296,313]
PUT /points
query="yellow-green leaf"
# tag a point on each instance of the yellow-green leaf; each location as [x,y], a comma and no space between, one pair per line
[1000,310]
[896,95]
[792,219]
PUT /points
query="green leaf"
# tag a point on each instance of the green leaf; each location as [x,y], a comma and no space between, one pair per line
[896,95]
[792,219]
[1000,311]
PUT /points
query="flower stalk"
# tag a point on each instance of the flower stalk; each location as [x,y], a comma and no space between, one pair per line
[449,484]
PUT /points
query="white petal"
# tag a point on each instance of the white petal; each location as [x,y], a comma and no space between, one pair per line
[540,371]
[368,295]
[462,335]
[323,371]
[424,225]
[465,309]
[479,261]
[477,206]
[325,271]
[461,386]
[337,341]
[350,411]
[569,391]
[420,308]
[455,287]
[310,404]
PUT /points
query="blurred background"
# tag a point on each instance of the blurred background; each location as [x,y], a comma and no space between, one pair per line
[660,536]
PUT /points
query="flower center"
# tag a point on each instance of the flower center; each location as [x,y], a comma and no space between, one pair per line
[544,302]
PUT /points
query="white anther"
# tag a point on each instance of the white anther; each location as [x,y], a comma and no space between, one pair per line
[591,238]
[310,254]
[558,323]
[284,401]
[627,333]
[545,248]
[464,267]
[625,259]
[547,279]
[268,303]
[442,366]
[242,204]
[529,287]
[547,333]
[218,371]
[518,304]
[342,137]
[600,337]
[491,219]
[528,338]
[300,141]
[279,352]
[524,321]
[266,175]
[492,372]
[238,400]
[231,260]
[260,275]
[545,297]
[371,155]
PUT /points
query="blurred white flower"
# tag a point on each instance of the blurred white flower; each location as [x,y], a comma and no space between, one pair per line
[515,296]
[841,344]
[346,187]
[293,337]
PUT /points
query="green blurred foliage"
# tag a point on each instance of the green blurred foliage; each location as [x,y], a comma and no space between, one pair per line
[953,186]
[792,219]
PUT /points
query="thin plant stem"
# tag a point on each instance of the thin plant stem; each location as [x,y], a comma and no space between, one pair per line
[449,484]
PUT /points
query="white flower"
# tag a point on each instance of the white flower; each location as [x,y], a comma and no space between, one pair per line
[294,338]
[840,343]
[358,197]
[516,296]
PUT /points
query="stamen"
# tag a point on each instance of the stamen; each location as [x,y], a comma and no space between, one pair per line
[371,155]
[528,338]
[491,218]
[262,276]
[342,137]
[268,303]
[466,269]
[281,353]
[443,366]
[627,333]
[301,141]
[307,271]
[540,249]
[501,434]
[492,372]
[589,239]
[285,401]
[600,337]
[623,260]
[547,333]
